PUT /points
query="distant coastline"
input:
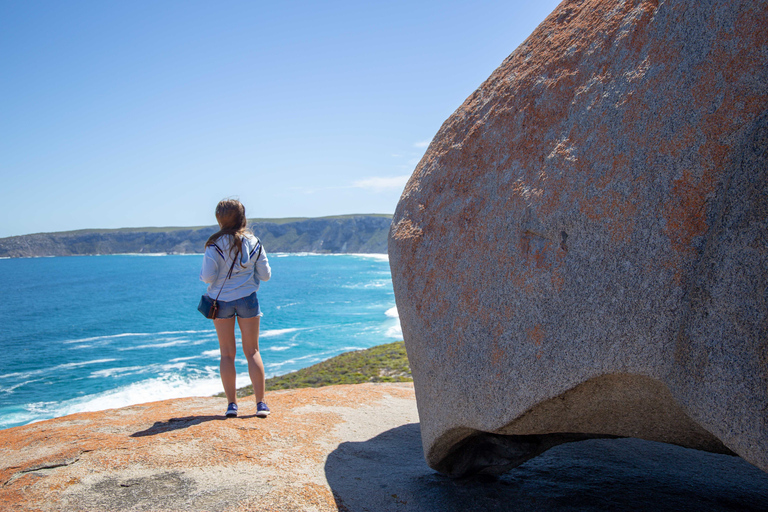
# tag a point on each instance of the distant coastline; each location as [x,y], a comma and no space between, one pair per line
[342,234]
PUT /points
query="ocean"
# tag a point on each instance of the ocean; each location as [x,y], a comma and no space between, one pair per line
[88,333]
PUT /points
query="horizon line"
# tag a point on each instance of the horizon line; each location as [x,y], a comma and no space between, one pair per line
[280,220]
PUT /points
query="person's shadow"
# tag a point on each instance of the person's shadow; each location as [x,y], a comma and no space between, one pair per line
[179,423]
[389,473]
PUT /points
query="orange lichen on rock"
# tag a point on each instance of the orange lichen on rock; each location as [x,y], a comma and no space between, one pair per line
[406,229]
[536,335]
[90,461]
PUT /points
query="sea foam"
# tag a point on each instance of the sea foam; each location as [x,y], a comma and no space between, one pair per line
[52,369]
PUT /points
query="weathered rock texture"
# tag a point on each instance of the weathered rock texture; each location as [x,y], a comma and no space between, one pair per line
[582,251]
[185,455]
[338,448]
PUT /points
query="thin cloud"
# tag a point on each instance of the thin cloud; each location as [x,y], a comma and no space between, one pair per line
[421,144]
[413,161]
[379,184]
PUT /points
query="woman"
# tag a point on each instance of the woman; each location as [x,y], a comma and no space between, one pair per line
[234,247]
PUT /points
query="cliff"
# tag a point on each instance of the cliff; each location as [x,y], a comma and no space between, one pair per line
[348,448]
[338,234]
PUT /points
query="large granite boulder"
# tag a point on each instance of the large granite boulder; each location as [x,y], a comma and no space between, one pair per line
[582,251]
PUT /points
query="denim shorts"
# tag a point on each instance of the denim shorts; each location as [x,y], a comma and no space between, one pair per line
[247,307]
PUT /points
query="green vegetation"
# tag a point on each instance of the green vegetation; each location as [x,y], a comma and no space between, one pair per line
[170,229]
[331,235]
[383,363]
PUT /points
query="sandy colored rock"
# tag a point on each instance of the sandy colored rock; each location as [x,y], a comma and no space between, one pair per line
[185,455]
[582,250]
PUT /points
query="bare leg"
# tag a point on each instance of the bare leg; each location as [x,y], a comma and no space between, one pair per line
[249,329]
[225,329]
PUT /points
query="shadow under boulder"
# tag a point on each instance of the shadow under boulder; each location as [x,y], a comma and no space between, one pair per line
[388,473]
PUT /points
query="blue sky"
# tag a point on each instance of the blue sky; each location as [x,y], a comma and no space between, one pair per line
[143,113]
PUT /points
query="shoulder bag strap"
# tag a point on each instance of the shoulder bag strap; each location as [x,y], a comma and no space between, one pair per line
[228,275]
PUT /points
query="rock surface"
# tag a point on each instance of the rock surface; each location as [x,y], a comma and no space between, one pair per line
[347,448]
[185,455]
[340,234]
[582,251]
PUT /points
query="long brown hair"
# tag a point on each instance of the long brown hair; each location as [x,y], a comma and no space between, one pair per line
[231,216]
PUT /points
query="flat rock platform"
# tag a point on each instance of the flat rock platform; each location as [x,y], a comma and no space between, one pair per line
[349,448]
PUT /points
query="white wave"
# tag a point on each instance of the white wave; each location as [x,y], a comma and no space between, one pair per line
[141,254]
[22,417]
[128,334]
[392,313]
[11,389]
[150,390]
[175,366]
[277,332]
[138,370]
[280,348]
[298,254]
[212,353]
[169,343]
[112,372]
[64,366]
[189,358]
[371,256]
[395,332]
[378,283]
[84,363]
[110,336]
[288,305]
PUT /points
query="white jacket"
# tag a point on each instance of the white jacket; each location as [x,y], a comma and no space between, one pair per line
[248,272]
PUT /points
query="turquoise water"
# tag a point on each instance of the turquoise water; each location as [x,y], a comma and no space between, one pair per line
[97,332]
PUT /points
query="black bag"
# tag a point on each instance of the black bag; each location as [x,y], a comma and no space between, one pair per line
[208,306]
